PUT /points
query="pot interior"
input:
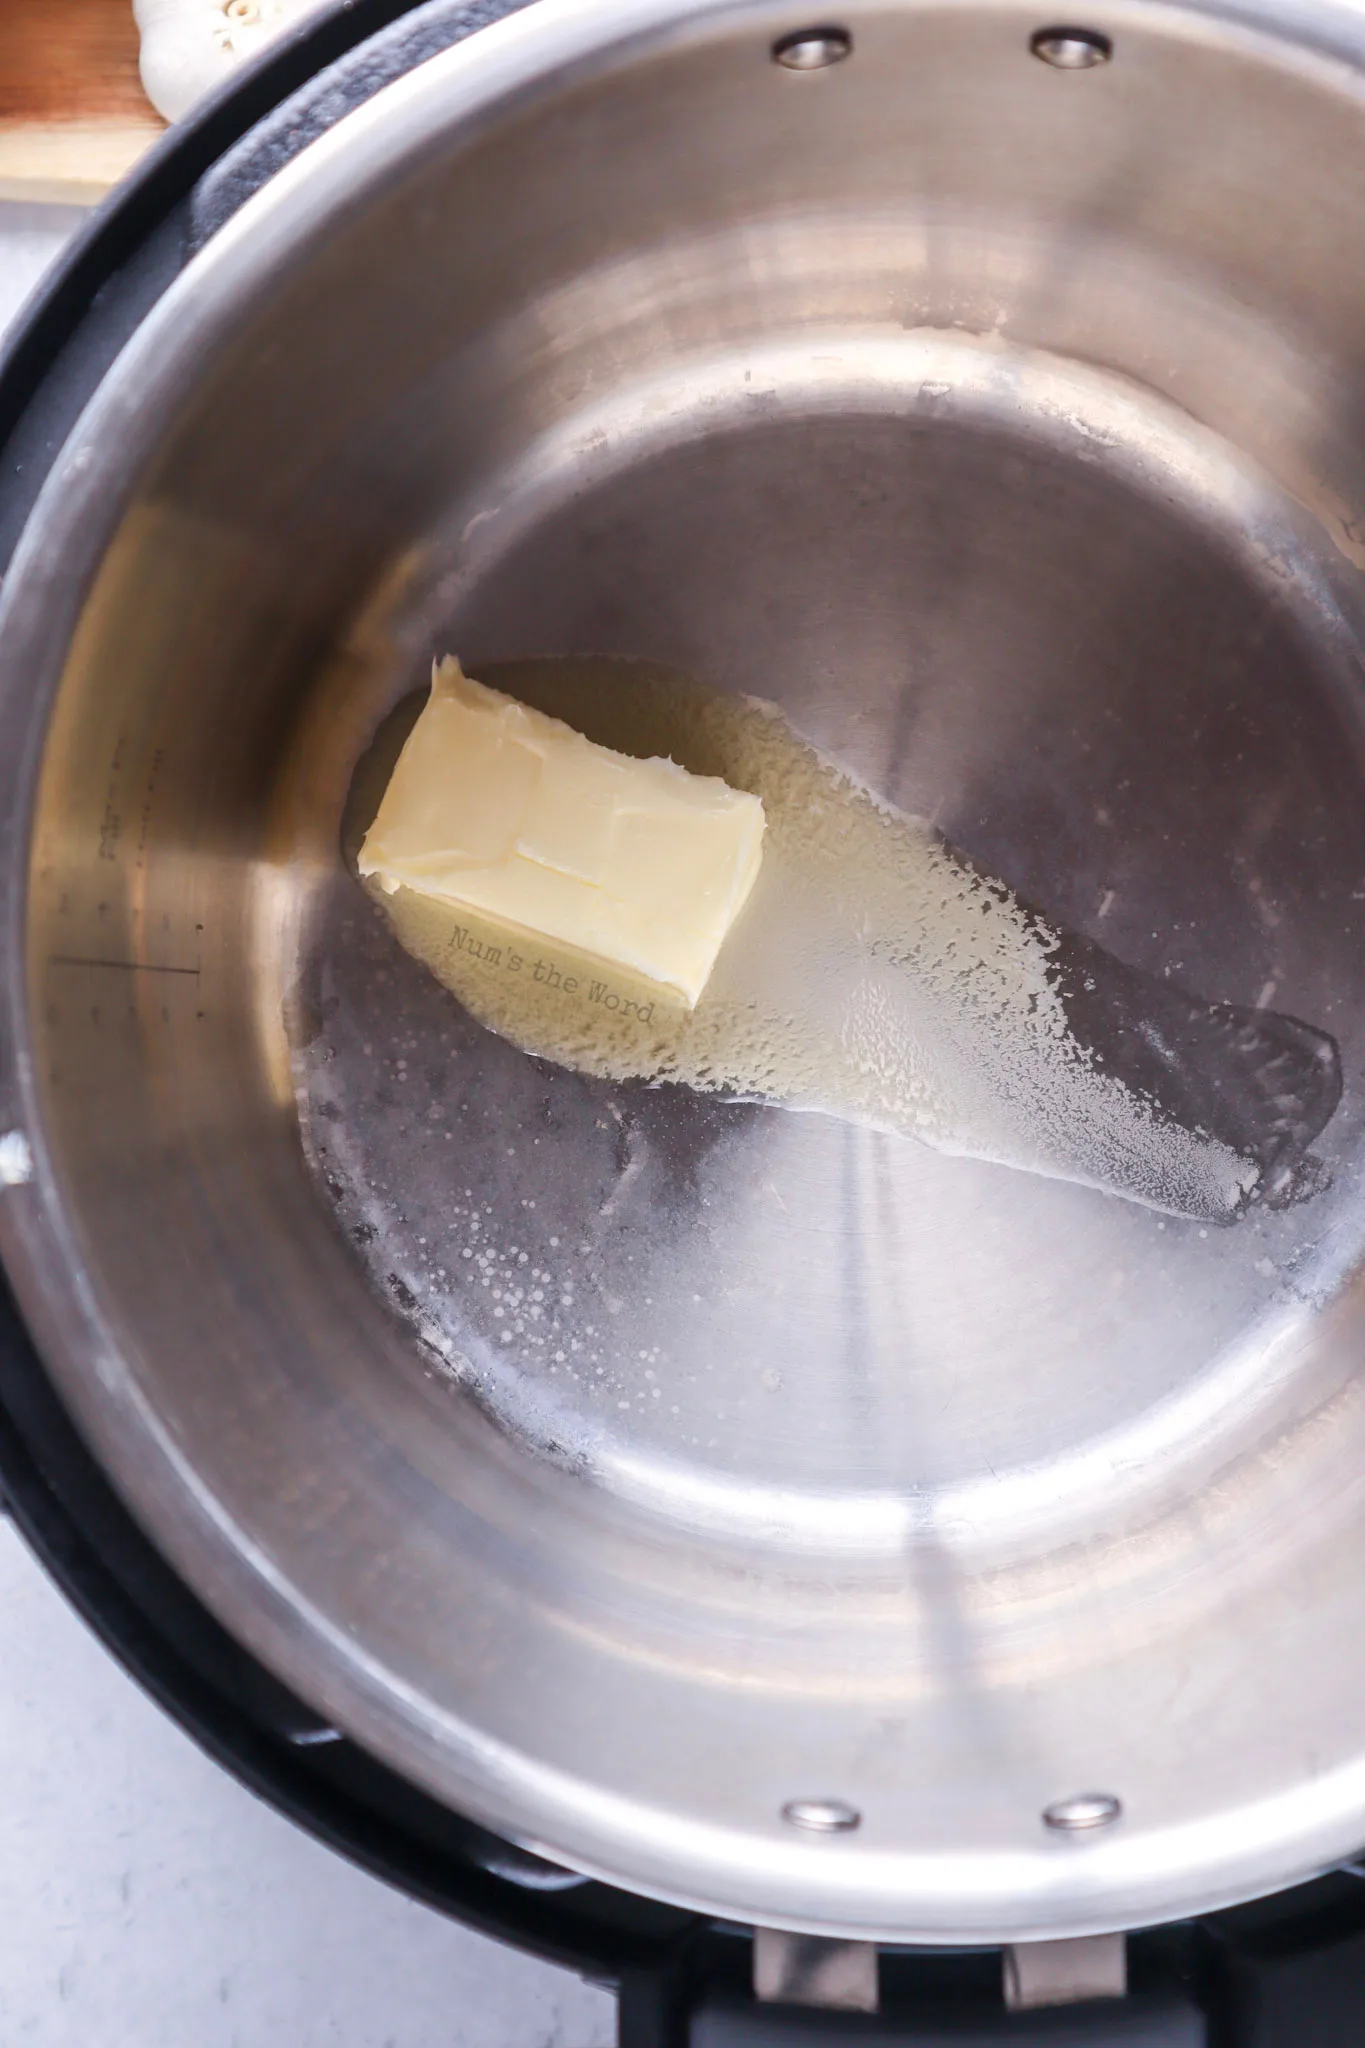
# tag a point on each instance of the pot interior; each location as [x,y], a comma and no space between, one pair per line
[626,1463]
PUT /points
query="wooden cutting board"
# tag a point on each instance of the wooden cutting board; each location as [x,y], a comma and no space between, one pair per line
[73,115]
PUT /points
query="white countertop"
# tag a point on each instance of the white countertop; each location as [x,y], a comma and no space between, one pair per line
[146,1899]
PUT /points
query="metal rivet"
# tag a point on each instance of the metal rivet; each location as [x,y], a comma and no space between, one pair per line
[813,49]
[16,1160]
[822,1816]
[1071,49]
[1086,1810]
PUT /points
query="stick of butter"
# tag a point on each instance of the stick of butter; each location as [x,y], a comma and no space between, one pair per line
[500,810]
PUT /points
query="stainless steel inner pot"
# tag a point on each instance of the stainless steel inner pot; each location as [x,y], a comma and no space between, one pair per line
[1003,420]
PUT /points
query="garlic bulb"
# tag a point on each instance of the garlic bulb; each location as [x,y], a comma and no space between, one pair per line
[189,46]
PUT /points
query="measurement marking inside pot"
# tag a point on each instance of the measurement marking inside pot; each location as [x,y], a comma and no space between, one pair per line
[124,966]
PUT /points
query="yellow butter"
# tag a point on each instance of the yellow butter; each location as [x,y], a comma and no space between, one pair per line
[495,808]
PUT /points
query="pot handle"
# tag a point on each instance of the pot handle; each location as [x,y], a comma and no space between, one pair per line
[795,1991]
[1153,2021]
[1282,1972]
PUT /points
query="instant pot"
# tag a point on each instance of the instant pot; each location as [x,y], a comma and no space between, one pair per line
[909,1599]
